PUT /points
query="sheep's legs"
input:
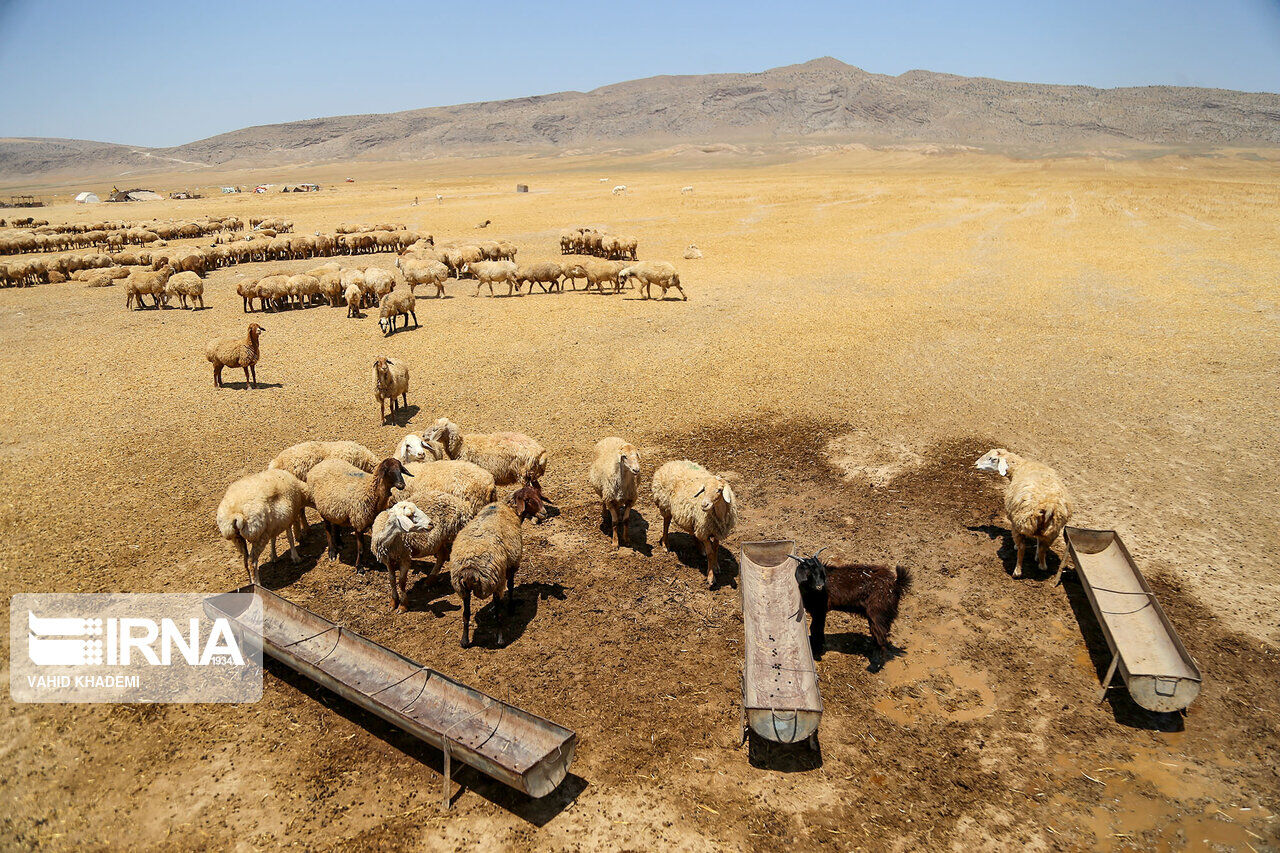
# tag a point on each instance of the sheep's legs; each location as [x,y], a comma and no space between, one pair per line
[395,587]
[331,538]
[248,383]
[217,376]
[359,548]
[713,557]
[1021,545]
[466,618]
[293,547]
[666,528]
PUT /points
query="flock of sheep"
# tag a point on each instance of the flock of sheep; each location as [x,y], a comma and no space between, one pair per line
[437,498]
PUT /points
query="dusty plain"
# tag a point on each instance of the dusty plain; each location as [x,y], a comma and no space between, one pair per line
[862,327]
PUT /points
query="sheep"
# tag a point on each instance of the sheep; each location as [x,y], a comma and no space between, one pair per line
[1036,502]
[258,508]
[152,283]
[425,271]
[233,351]
[184,285]
[353,296]
[346,496]
[872,591]
[686,190]
[699,502]
[390,382]
[331,288]
[487,272]
[615,476]
[447,515]
[411,449]
[299,459]
[620,189]
[464,480]
[397,303]
[652,273]
[389,539]
[511,457]
[546,274]
[377,283]
[692,253]
[573,272]
[599,272]
[487,552]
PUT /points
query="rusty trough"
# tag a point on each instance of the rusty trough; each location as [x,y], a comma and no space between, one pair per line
[1145,647]
[780,699]
[520,749]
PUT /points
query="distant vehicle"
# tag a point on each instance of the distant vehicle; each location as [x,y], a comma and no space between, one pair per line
[351,180]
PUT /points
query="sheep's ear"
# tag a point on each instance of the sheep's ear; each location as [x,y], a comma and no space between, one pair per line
[728,494]
[1002,466]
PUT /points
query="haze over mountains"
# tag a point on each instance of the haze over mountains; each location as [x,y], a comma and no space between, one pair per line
[823,101]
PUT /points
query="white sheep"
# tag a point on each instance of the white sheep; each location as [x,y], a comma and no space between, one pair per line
[389,541]
[615,476]
[650,274]
[390,382]
[447,515]
[346,496]
[258,508]
[463,480]
[686,190]
[1035,500]
[620,189]
[697,501]
[511,457]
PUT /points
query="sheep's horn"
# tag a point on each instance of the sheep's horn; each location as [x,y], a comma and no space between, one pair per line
[819,551]
[404,472]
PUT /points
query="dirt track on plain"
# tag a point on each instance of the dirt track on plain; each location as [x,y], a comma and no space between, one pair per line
[860,329]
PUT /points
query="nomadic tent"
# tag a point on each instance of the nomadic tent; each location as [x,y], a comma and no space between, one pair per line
[144,195]
[87,198]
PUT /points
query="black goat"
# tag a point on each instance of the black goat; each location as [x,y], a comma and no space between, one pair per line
[873,591]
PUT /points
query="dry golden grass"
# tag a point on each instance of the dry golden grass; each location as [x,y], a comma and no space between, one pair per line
[1115,320]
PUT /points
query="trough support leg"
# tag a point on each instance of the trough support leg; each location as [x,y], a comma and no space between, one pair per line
[444,805]
[1106,681]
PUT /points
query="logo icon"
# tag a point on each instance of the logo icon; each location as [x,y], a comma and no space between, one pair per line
[56,641]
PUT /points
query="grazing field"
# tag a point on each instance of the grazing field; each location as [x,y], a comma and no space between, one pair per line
[862,327]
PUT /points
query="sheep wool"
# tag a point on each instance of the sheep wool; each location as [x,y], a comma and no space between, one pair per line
[471,483]
[1036,502]
[258,508]
[511,457]
[615,476]
[697,501]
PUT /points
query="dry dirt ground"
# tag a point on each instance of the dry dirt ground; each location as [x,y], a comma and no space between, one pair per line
[862,328]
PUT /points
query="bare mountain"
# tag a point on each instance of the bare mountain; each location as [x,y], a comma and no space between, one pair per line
[824,99]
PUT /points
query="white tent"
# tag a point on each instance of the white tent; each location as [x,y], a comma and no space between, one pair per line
[87,198]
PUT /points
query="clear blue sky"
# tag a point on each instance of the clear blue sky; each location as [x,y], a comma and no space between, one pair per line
[160,74]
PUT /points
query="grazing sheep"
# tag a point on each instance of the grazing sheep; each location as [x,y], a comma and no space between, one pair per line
[397,303]
[546,274]
[424,271]
[872,591]
[185,285]
[389,541]
[686,190]
[299,459]
[488,272]
[511,457]
[354,296]
[377,284]
[390,382]
[486,553]
[346,496]
[620,189]
[139,284]
[601,272]
[447,513]
[692,253]
[258,508]
[1036,502]
[470,483]
[653,273]
[615,475]
[232,351]
[699,502]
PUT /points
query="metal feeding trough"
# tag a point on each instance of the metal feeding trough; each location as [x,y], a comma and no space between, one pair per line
[1145,648]
[513,746]
[780,699]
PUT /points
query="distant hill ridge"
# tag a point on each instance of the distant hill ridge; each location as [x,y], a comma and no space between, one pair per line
[824,99]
